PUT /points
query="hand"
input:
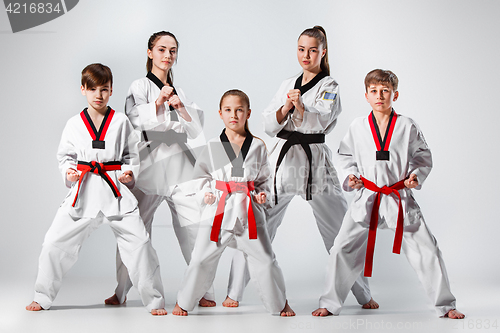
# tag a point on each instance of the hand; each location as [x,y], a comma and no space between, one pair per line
[355,183]
[126,177]
[175,101]
[294,97]
[209,198]
[164,96]
[260,198]
[412,181]
[287,107]
[72,175]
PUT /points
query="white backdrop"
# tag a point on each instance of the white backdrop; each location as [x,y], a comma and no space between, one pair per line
[445,54]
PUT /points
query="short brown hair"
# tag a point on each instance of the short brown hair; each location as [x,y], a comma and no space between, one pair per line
[96,75]
[381,76]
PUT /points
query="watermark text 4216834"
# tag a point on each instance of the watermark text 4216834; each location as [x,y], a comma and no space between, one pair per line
[28,14]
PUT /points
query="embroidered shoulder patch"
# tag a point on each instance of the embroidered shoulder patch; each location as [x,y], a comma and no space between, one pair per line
[329,96]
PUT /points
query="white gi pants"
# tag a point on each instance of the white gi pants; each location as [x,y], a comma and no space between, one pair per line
[262,263]
[329,209]
[347,258]
[186,236]
[63,242]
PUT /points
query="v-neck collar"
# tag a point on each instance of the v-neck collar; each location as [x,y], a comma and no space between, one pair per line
[236,161]
[382,145]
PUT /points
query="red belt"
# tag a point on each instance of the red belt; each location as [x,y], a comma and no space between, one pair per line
[99,169]
[227,188]
[398,238]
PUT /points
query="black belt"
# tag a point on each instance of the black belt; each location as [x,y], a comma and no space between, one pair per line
[296,138]
[169,138]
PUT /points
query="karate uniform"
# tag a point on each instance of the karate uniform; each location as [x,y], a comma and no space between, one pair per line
[214,169]
[359,155]
[322,107]
[92,202]
[164,169]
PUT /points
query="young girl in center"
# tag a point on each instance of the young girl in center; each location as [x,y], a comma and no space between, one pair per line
[232,181]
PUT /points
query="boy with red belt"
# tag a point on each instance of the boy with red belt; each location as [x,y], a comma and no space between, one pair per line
[384,156]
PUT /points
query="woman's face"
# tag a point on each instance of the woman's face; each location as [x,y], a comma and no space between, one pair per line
[164,53]
[309,53]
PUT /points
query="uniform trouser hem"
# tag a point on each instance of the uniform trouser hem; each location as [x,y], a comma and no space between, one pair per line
[43,300]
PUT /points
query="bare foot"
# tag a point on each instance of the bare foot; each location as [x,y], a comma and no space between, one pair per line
[34,306]
[158,312]
[206,303]
[370,305]
[321,312]
[178,311]
[287,311]
[230,303]
[455,314]
[113,300]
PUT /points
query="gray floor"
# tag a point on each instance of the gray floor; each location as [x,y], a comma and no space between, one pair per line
[79,308]
[403,305]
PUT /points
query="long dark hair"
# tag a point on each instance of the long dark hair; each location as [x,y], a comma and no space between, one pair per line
[151,44]
[320,34]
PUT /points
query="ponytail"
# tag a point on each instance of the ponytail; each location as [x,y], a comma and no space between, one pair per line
[151,43]
[320,34]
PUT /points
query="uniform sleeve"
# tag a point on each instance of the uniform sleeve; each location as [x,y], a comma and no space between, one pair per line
[347,164]
[420,162]
[139,107]
[271,125]
[321,113]
[202,176]
[262,182]
[195,126]
[130,155]
[66,153]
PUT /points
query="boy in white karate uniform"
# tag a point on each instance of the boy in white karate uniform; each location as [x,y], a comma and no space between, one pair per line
[90,161]
[383,157]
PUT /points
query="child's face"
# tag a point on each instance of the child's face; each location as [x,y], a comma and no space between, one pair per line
[234,113]
[380,96]
[98,97]
[164,53]
[309,53]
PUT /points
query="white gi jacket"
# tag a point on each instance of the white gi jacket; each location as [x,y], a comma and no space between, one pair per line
[166,166]
[213,164]
[322,107]
[95,194]
[409,154]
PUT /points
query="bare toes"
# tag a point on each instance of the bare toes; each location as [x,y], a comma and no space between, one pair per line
[230,303]
[455,314]
[321,312]
[206,303]
[34,306]
[178,311]
[159,312]
[371,304]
